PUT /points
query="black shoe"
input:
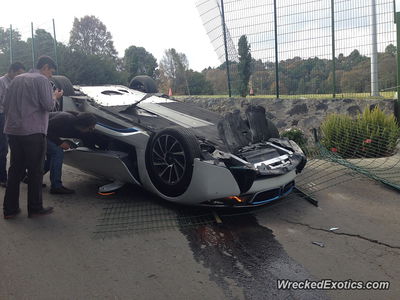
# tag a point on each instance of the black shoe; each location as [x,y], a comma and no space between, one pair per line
[62,190]
[43,212]
[13,215]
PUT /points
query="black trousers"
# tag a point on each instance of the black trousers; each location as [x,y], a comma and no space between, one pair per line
[27,153]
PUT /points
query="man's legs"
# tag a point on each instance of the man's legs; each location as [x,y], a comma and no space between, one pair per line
[3,152]
[35,150]
[15,173]
[55,158]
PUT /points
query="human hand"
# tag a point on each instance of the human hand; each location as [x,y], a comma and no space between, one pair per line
[65,145]
[58,94]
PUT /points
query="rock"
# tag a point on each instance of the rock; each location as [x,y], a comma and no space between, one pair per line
[354,110]
[281,124]
[321,106]
[298,109]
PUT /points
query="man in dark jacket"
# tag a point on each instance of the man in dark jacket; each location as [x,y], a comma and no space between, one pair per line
[14,70]
[64,125]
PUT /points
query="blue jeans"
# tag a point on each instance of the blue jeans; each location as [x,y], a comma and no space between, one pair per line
[53,163]
[3,151]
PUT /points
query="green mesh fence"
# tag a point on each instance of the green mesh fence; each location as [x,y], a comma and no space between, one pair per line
[307,48]
[351,148]
[130,215]
[369,149]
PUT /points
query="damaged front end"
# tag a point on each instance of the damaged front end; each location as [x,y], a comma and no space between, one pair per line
[263,165]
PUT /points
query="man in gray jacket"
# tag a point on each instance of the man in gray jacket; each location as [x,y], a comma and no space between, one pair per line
[15,69]
[27,104]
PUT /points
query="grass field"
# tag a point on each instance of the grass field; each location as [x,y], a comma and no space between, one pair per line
[384,95]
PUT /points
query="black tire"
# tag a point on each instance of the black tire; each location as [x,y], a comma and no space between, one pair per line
[144,84]
[169,160]
[63,83]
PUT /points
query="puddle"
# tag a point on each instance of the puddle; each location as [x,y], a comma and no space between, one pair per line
[241,254]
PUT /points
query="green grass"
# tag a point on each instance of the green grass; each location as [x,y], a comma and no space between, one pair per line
[384,95]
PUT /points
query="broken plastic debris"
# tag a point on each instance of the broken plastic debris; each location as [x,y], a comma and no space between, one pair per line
[333,228]
[319,244]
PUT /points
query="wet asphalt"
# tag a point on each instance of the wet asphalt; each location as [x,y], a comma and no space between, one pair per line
[242,257]
[242,251]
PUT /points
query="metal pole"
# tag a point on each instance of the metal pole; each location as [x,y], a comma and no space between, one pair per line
[333,49]
[226,49]
[374,55]
[55,43]
[11,48]
[276,51]
[397,103]
[33,47]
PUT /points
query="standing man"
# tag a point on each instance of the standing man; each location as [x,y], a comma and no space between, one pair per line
[29,99]
[15,69]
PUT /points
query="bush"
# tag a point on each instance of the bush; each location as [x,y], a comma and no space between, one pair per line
[371,134]
[296,135]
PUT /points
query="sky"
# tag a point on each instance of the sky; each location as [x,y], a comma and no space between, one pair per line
[156,25]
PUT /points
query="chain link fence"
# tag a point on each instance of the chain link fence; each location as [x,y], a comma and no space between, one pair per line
[307,48]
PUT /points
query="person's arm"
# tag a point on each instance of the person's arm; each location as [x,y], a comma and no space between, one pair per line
[2,92]
[45,94]
[7,96]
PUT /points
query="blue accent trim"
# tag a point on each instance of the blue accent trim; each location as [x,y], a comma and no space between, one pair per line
[266,201]
[123,130]
[275,198]
[288,192]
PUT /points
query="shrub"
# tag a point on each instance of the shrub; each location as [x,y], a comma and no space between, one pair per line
[371,134]
[296,135]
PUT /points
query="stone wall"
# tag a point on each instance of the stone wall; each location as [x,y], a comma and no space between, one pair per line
[305,114]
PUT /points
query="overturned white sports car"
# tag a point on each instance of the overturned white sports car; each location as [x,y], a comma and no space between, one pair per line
[179,151]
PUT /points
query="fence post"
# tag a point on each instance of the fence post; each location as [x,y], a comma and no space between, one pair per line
[276,51]
[226,49]
[11,48]
[55,43]
[333,49]
[397,102]
[374,55]
[33,47]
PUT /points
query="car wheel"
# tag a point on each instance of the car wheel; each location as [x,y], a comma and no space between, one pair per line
[144,84]
[169,160]
[63,83]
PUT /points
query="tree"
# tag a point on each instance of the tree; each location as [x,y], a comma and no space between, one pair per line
[44,43]
[217,78]
[5,39]
[358,79]
[244,65]
[391,49]
[198,85]
[21,51]
[173,67]
[137,61]
[90,36]
[85,69]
